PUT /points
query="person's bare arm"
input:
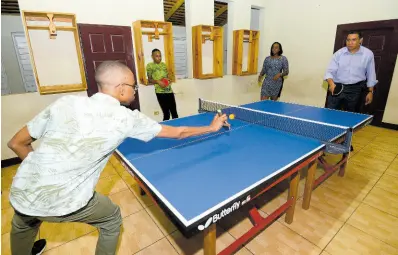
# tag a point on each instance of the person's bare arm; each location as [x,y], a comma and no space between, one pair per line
[153,82]
[21,143]
[184,132]
[331,85]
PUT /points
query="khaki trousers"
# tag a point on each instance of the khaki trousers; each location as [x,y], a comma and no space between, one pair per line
[100,212]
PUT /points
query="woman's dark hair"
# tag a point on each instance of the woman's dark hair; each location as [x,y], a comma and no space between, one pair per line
[280,49]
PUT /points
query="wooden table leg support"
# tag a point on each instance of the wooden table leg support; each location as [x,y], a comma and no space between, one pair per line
[293,191]
[209,245]
[309,184]
[342,167]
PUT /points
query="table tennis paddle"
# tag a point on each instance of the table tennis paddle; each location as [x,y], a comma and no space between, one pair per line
[165,81]
[338,89]
[226,124]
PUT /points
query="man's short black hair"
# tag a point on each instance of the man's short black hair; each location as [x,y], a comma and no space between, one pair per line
[155,50]
[280,49]
[355,32]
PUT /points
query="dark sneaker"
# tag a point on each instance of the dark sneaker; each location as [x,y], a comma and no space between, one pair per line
[352,148]
[38,247]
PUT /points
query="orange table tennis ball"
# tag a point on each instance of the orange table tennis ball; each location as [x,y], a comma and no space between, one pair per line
[232,116]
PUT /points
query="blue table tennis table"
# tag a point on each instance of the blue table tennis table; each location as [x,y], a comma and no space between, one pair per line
[201,180]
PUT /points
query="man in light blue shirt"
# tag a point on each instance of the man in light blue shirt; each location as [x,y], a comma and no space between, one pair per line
[351,71]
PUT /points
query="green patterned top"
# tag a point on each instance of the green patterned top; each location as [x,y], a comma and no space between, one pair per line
[158,71]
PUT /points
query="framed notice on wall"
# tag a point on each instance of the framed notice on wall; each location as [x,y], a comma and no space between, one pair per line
[55,51]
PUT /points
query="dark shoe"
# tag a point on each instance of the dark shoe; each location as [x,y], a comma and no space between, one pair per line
[39,247]
[352,148]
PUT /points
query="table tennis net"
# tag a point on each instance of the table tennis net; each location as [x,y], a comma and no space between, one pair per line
[325,133]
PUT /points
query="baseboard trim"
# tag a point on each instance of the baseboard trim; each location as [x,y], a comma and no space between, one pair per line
[10,162]
[389,126]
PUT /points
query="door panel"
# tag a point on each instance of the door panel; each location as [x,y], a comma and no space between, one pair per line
[101,43]
[382,38]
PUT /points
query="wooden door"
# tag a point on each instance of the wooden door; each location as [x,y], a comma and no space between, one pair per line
[101,43]
[382,38]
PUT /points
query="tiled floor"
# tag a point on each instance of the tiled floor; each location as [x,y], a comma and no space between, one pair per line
[357,214]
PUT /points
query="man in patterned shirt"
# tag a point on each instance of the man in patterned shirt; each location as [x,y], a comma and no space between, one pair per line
[159,76]
[56,182]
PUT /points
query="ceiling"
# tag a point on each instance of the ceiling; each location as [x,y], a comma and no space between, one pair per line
[174,11]
[9,6]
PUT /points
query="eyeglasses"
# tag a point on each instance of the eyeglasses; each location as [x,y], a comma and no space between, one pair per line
[135,87]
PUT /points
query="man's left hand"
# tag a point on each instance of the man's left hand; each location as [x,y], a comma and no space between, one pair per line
[369,98]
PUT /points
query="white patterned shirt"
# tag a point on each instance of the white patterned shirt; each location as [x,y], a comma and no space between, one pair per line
[78,135]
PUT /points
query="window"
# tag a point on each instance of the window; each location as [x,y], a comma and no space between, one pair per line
[5,90]
[22,53]
[180,57]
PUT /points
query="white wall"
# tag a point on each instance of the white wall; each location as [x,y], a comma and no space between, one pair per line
[255,19]
[391,114]
[10,24]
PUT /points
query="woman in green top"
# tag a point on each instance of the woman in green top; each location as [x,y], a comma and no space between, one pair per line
[158,75]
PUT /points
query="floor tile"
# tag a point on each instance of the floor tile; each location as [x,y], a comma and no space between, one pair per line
[356,188]
[374,151]
[5,202]
[138,232]
[278,239]
[376,223]
[6,183]
[383,200]
[389,183]
[80,246]
[352,241]
[355,171]
[108,171]
[9,171]
[113,159]
[161,247]
[5,244]
[272,200]
[370,163]
[145,200]
[194,245]
[128,178]
[332,203]
[161,220]
[110,185]
[239,222]
[386,146]
[127,202]
[6,218]
[393,168]
[58,234]
[314,225]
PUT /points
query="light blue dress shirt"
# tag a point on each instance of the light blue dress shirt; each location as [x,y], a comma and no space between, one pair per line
[349,68]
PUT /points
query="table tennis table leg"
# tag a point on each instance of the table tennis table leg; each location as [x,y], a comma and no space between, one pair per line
[342,167]
[209,243]
[293,191]
[309,184]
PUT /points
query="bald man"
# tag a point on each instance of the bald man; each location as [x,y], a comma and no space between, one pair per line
[56,182]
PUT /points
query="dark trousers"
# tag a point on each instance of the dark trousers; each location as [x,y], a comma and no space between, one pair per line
[349,100]
[168,104]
